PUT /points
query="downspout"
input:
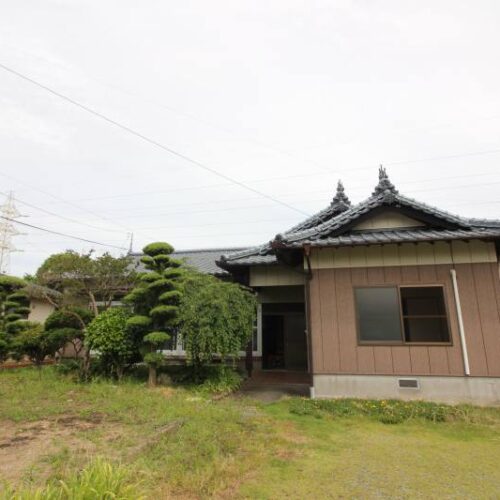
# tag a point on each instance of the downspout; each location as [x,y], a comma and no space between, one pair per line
[308,277]
[460,322]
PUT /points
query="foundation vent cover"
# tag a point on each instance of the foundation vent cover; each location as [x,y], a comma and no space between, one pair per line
[408,383]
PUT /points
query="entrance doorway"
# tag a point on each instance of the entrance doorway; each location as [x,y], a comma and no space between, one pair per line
[284,344]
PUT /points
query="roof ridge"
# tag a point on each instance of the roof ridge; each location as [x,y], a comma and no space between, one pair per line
[245,252]
[195,250]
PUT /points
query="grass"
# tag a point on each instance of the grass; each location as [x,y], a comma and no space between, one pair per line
[164,442]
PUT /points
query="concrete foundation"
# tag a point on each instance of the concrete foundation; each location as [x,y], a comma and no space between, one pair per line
[474,390]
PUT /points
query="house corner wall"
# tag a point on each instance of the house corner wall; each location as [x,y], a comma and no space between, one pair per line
[341,367]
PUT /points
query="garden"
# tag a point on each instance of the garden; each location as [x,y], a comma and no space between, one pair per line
[66,439]
[117,420]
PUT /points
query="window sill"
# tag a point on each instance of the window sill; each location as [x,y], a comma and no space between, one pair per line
[403,344]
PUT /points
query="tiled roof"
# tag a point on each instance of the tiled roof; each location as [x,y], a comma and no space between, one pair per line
[35,291]
[402,236]
[384,199]
[203,260]
[331,226]
[250,256]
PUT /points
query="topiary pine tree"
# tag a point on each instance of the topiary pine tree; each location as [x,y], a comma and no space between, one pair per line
[14,305]
[155,300]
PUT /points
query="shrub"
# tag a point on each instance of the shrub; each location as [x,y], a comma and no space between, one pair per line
[36,343]
[221,379]
[385,411]
[109,336]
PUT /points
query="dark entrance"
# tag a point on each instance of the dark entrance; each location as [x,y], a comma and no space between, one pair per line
[283,337]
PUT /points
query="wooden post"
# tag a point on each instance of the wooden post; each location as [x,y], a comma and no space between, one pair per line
[249,359]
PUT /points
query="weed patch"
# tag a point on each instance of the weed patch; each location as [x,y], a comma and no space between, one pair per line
[386,411]
[100,480]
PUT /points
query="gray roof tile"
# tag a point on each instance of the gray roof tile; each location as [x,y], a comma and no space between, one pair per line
[204,260]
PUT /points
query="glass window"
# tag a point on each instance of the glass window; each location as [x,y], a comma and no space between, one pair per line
[424,314]
[378,313]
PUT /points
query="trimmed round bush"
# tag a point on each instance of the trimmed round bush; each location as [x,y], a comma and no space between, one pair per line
[172,297]
[150,277]
[139,321]
[158,248]
[160,284]
[156,338]
[12,282]
[164,311]
[173,273]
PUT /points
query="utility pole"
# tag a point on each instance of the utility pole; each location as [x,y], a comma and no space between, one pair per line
[8,214]
[131,245]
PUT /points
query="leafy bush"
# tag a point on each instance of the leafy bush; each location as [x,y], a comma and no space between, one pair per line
[109,336]
[36,343]
[385,411]
[100,480]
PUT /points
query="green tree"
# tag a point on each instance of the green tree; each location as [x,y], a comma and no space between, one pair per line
[72,322]
[216,318]
[88,282]
[116,344]
[155,300]
[36,343]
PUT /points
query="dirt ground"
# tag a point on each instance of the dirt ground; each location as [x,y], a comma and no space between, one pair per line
[24,446]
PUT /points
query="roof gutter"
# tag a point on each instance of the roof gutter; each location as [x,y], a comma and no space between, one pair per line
[460,322]
[307,255]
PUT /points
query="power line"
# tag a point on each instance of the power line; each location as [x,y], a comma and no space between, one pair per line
[61,234]
[149,140]
[153,210]
[226,130]
[212,170]
[61,200]
[68,219]
[279,178]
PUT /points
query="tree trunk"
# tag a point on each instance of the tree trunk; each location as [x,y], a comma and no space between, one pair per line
[38,365]
[119,372]
[152,376]
[86,365]
[93,304]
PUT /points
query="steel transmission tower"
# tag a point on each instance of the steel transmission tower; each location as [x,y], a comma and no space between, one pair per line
[8,214]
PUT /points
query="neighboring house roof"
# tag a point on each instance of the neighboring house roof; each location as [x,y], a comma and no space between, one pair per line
[202,260]
[334,226]
[40,292]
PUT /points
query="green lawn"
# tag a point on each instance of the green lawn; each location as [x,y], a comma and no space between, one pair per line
[180,443]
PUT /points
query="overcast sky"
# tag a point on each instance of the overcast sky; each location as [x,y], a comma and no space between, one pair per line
[283,96]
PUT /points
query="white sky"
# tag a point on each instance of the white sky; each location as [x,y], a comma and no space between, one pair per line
[286,96]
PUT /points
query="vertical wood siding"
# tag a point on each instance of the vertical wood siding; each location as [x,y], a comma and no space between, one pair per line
[406,254]
[335,347]
[275,276]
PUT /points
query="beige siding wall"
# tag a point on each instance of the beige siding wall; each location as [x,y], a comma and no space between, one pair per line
[335,349]
[406,254]
[388,220]
[40,310]
[275,276]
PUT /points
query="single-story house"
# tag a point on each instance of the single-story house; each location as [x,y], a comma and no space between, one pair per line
[42,301]
[390,298]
